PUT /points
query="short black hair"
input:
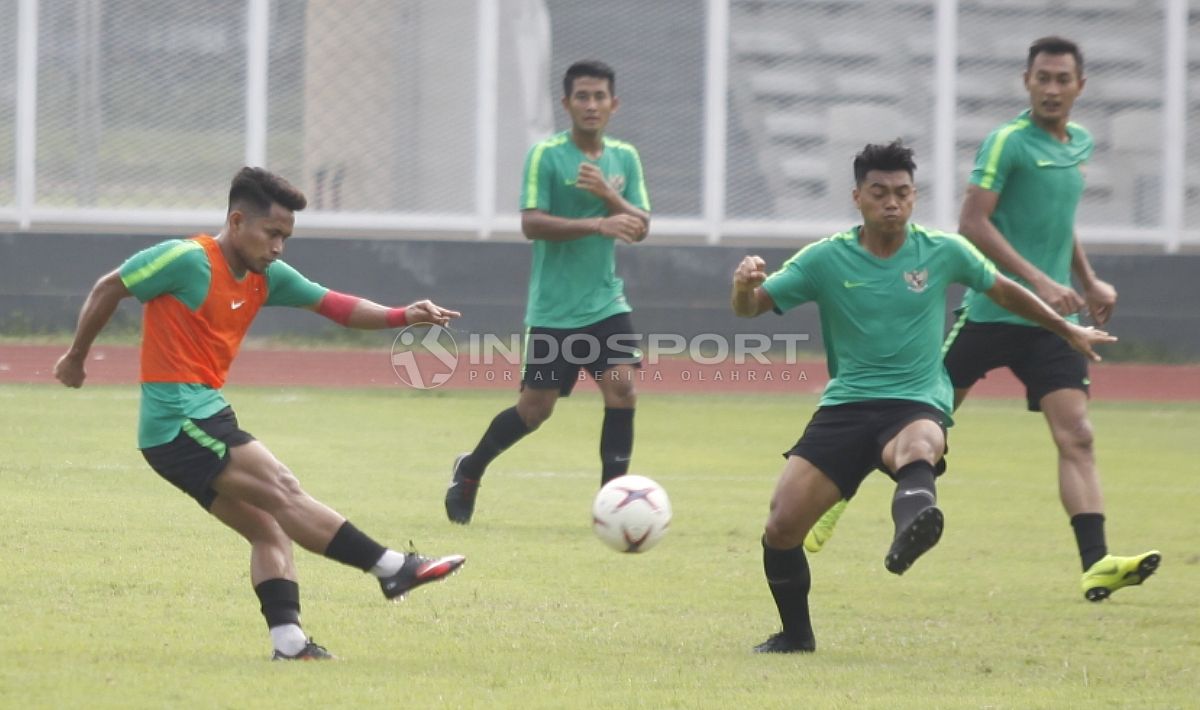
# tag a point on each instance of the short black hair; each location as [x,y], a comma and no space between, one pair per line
[255,190]
[593,68]
[1055,45]
[888,158]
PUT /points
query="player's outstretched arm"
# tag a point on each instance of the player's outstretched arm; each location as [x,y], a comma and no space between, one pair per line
[975,224]
[1016,298]
[97,310]
[354,312]
[748,298]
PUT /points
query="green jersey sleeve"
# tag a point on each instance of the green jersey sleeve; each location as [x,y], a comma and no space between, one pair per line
[635,186]
[996,158]
[972,268]
[796,281]
[177,266]
[288,287]
[538,180]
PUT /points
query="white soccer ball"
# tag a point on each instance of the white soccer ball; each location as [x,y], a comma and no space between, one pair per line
[631,513]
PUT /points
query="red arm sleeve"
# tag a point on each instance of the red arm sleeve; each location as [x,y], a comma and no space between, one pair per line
[337,307]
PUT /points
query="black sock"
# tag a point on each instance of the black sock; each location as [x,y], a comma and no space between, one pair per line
[616,443]
[1089,535]
[789,580]
[506,429]
[280,599]
[351,546]
[915,491]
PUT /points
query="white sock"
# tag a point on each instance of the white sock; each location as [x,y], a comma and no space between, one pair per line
[288,639]
[389,564]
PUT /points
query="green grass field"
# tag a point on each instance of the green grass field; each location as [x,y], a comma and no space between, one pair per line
[119,591]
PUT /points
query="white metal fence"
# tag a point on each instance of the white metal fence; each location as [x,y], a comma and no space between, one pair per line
[403,117]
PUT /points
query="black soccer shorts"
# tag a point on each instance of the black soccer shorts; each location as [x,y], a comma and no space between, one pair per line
[845,441]
[555,357]
[192,460]
[1041,360]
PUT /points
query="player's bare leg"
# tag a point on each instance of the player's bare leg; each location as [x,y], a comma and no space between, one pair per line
[256,477]
[801,495]
[1080,490]
[273,576]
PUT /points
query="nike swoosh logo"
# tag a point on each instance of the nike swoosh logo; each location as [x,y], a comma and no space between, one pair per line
[1044,163]
[1105,572]
[854,284]
[237,304]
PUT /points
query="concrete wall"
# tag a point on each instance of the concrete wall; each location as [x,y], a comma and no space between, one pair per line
[674,289]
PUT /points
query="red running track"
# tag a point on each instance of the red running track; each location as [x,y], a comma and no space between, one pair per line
[371,368]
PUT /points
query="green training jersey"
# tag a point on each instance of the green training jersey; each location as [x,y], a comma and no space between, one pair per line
[179,269]
[574,283]
[882,319]
[1040,181]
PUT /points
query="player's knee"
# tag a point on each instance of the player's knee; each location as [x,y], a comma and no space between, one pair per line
[1075,438]
[780,533]
[781,537]
[533,415]
[271,538]
[282,489]
[621,396]
[919,450]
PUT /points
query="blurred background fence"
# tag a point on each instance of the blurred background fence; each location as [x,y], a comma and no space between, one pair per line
[405,118]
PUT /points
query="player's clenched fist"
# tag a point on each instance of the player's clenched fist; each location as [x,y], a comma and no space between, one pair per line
[69,371]
[750,272]
[624,227]
[590,178]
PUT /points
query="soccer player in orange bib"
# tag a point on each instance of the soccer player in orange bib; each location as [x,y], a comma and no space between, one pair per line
[201,295]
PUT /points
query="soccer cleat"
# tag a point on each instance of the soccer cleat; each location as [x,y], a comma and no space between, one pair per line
[418,570]
[310,652]
[823,529]
[460,496]
[1112,573]
[782,643]
[915,540]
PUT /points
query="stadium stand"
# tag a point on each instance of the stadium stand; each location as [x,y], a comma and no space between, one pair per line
[800,82]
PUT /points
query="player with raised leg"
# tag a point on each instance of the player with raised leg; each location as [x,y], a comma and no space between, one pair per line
[881,288]
[1019,210]
[201,296]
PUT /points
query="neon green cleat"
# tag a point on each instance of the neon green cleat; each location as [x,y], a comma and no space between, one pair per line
[1111,573]
[823,529]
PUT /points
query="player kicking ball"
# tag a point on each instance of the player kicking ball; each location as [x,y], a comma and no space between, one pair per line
[200,296]
[881,288]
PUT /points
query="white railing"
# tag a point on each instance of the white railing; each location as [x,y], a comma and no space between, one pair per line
[481,218]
